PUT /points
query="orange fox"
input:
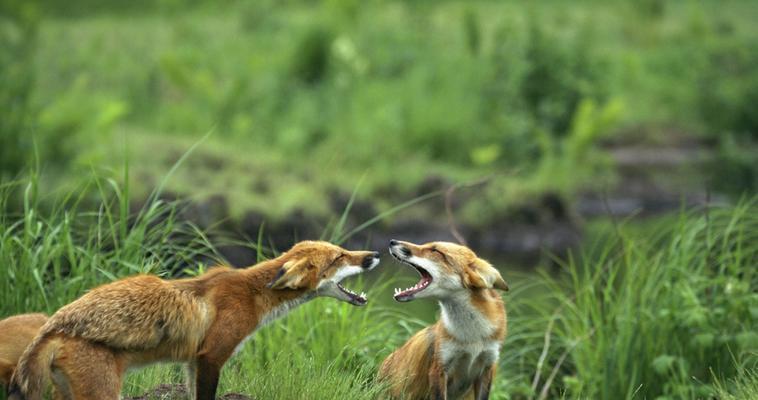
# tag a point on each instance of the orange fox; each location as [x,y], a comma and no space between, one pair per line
[456,357]
[16,333]
[86,347]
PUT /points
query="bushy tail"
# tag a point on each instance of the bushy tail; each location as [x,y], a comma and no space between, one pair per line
[33,369]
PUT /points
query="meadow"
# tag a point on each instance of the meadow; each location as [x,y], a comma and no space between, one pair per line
[153,136]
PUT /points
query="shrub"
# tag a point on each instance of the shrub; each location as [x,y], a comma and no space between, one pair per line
[728,86]
[310,60]
[559,76]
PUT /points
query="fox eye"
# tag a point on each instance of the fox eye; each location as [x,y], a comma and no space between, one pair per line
[337,259]
[444,256]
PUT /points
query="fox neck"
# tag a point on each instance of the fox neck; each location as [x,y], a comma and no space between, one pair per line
[282,308]
[463,320]
[279,302]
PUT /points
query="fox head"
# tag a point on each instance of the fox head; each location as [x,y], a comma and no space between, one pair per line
[445,268]
[319,267]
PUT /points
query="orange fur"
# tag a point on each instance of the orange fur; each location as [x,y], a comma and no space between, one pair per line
[16,333]
[457,356]
[87,345]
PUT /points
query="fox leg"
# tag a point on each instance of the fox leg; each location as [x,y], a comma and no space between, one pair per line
[61,388]
[87,371]
[6,371]
[483,384]
[208,369]
[210,359]
[438,383]
[58,396]
[191,380]
[208,372]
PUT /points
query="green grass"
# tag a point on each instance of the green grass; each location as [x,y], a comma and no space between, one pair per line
[670,311]
[655,315]
[743,386]
[57,251]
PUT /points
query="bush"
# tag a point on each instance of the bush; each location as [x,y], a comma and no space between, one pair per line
[728,86]
[310,60]
[559,76]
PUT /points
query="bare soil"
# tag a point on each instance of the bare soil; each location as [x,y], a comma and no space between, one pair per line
[168,391]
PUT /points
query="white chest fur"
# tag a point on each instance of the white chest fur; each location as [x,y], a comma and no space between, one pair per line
[472,350]
[468,360]
[464,321]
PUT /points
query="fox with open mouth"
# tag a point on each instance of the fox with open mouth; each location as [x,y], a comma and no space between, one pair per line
[86,347]
[455,358]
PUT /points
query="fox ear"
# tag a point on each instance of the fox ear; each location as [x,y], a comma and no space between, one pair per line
[482,275]
[292,275]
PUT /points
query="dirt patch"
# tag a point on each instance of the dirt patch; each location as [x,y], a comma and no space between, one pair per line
[175,391]
[235,396]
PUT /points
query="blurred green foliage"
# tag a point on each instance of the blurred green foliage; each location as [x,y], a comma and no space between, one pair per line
[728,86]
[18,31]
[412,88]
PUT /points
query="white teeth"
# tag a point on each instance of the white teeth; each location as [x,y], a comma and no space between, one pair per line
[416,287]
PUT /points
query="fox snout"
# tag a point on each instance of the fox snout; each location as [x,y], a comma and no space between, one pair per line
[444,268]
[397,248]
[370,261]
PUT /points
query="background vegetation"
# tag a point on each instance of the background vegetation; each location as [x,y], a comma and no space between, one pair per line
[316,116]
[397,91]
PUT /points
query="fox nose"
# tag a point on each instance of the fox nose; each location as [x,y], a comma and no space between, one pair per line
[370,260]
[406,252]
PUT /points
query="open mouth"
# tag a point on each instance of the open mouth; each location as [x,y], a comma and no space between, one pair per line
[355,298]
[409,293]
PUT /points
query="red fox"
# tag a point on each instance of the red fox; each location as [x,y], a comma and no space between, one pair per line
[86,347]
[16,333]
[456,357]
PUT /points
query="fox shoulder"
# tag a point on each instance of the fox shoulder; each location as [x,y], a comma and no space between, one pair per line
[131,314]
[415,355]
